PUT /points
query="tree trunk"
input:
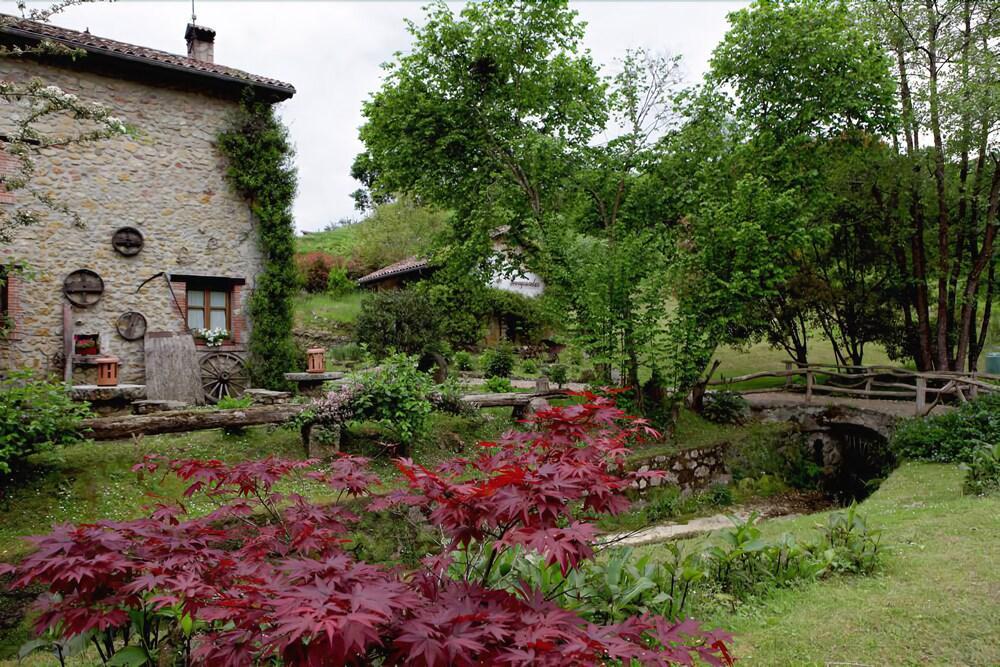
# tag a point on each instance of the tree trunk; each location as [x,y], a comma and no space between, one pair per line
[921,303]
[697,400]
[984,260]
[944,232]
[966,232]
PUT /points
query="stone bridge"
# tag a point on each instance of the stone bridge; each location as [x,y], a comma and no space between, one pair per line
[828,412]
[848,436]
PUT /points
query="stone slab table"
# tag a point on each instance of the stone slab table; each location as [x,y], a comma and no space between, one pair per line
[311,384]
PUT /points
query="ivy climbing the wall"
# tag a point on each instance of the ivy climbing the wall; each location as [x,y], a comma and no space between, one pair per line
[260,168]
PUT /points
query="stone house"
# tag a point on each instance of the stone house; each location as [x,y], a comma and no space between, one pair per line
[165,245]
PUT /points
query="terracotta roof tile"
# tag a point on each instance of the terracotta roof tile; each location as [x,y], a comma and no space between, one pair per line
[110,47]
[407,265]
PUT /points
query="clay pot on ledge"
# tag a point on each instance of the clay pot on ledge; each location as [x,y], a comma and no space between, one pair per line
[316,360]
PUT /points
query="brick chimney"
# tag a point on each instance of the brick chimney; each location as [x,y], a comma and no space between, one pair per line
[201,43]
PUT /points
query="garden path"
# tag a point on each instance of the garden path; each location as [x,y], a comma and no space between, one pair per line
[781,506]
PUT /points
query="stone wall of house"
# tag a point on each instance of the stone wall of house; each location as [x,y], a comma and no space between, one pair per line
[168,182]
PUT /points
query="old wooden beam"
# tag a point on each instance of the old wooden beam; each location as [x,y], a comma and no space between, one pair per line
[115,428]
[180,421]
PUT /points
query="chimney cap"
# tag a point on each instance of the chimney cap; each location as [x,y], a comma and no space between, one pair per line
[199,32]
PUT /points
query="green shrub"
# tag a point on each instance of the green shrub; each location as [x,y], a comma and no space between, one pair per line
[337,282]
[234,403]
[348,352]
[777,450]
[725,407]
[35,415]
[397,396]
[982,473]
[447,398]
[316,274]
[398,321]
[951,437]
[719,495]
[525,316]
[764,486]
[529,366]
[663,503]
[463,360]
[558,373]
[498,361]
[498,385]
[849,545]
[739,564]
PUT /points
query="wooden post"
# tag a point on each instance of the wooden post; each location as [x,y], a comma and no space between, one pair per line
[68,343]
[809,385]
[921,396]
[788,378]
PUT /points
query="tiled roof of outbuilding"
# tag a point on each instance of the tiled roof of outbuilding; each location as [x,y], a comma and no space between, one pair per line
[101,45]
[407,265]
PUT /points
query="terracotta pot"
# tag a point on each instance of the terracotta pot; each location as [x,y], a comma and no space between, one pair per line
[316,360]
[107,372]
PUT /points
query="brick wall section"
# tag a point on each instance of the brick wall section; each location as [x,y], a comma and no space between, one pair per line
[14,309]
[239,323]
[8,167]
[180,296]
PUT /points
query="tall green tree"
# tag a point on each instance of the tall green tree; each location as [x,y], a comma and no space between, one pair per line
[495,114]
[945,204]
[795,90]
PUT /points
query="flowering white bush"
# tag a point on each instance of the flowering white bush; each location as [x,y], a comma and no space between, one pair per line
[213,337]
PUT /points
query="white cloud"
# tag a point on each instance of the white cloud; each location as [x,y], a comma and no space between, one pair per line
[332,52]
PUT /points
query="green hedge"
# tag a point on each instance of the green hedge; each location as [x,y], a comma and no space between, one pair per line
[951,437]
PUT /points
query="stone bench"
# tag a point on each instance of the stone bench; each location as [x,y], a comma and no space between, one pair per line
[108,400]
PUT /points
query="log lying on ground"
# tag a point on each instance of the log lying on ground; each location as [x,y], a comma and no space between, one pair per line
[114,428]
[180,421]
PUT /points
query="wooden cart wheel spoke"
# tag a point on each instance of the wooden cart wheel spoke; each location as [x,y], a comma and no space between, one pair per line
[223,374]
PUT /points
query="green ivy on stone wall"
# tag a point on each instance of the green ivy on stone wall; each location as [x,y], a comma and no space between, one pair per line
[260,168]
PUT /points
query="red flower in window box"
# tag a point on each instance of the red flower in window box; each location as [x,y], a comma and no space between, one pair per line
[86,345]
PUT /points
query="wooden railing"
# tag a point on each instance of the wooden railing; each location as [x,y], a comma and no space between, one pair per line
[878,383]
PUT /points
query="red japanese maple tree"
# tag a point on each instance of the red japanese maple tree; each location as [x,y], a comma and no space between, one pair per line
[269,576]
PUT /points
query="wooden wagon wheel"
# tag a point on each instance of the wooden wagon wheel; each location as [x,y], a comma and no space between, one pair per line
[223,374]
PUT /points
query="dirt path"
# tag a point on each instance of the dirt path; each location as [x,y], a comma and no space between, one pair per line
[789,505]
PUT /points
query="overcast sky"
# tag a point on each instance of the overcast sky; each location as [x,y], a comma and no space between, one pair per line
[331,52]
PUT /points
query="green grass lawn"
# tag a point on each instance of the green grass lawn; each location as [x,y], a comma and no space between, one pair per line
[93,480]
[325,311]
[936,601]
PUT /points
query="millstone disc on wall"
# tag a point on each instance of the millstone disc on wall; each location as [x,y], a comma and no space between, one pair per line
[83,288]
[131,325]
[127,241]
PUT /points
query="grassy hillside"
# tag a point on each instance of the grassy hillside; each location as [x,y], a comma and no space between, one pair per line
[339,241]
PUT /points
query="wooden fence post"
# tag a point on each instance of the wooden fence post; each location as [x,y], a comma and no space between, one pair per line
[788,378]
[809,385]
[921,396]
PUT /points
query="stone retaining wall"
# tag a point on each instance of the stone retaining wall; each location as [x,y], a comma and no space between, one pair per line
[691,469]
